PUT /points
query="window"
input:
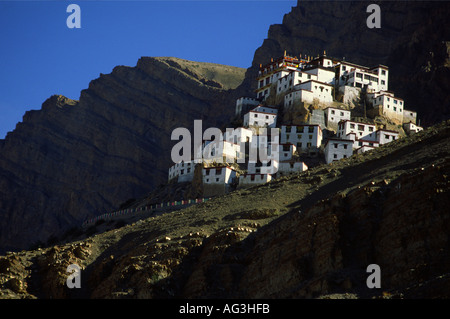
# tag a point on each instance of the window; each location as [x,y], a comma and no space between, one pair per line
[308,144]
[218,171]
[311,129]
[256,115]
[332,111]
[335,145]
[267,117]
[359,143]
[383,72]
[345,146]
[342,113]
[217,179]
[386,136]
[383,82]
[345,156]
[207,180]
[299,136]
[352,125]
[395,101]
[310,137]
[207,172]
[360,127]
[334,155]
[370,129]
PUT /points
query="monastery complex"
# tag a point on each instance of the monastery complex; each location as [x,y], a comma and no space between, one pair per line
[322,109]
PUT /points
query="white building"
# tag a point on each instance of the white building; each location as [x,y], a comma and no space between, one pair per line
[222,152]
[310,91]
[388,105]
[335,115]
[336,149]
[351,130]
[290,80]
[386,136]
[217,180]
[411,128]
[322,74]
[308,136]
[238,135]
[270,73]
[183,171]
[243,104]
[261,116]
[373,79]
[286,151]
[363,145]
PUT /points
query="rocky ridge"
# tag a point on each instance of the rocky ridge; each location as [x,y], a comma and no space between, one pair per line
[75,159]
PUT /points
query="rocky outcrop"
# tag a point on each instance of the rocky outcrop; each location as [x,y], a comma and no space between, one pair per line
[75,159]
[413,41]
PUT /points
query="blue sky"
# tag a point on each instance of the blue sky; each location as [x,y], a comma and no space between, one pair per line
[40,56]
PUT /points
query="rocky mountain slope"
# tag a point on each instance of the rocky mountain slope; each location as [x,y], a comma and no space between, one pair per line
[74,159]
[308,236]
[414,41]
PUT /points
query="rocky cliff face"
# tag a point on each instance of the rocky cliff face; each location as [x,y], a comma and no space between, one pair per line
[413,41]
[308,236]
[74,159]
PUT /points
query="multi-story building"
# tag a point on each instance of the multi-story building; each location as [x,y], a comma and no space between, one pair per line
[308,136]
[336,149]
[270,73]
[335,115]
[372,79]
[311,92]
[261,116]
